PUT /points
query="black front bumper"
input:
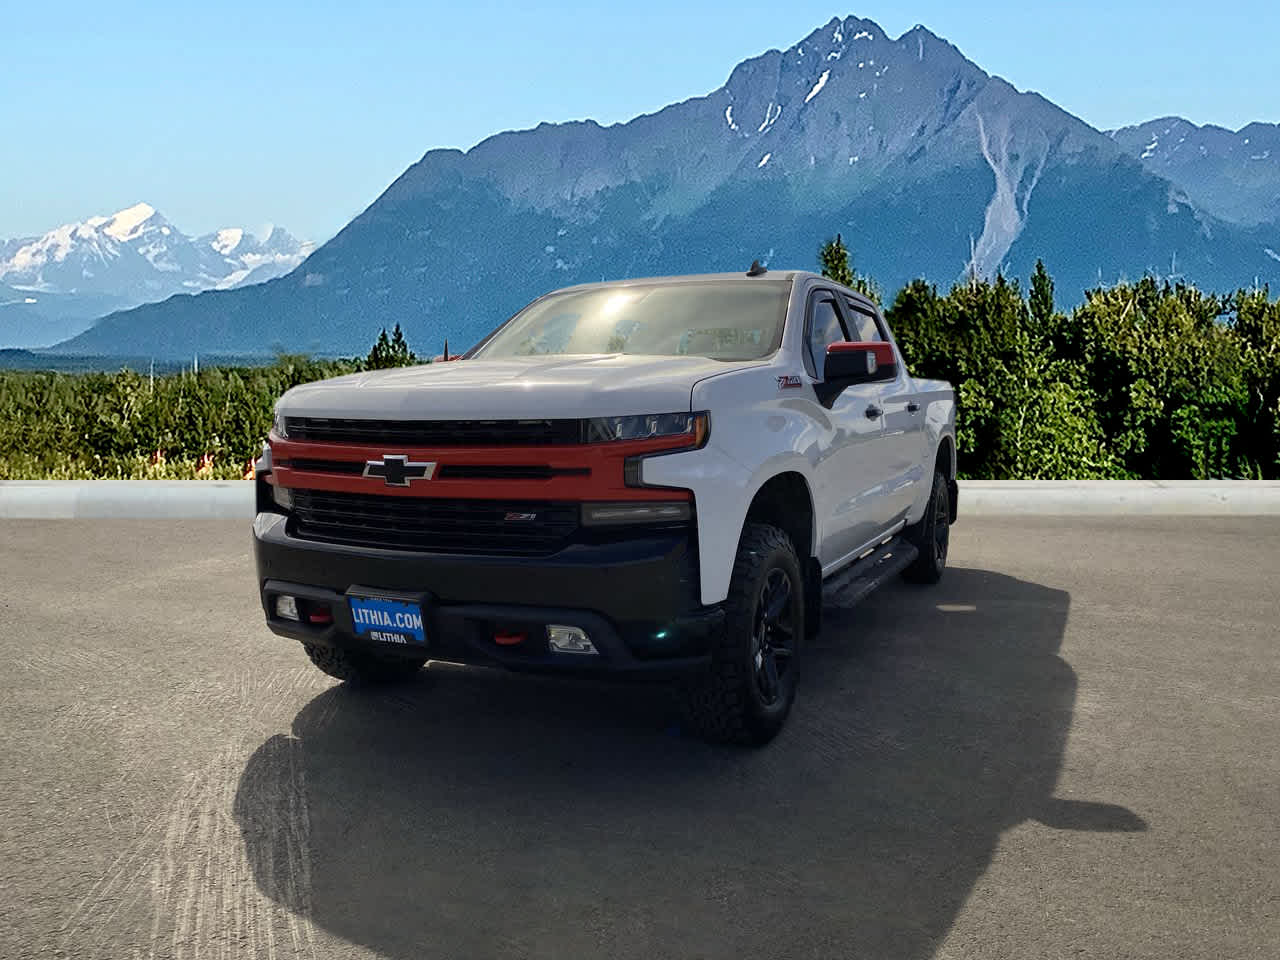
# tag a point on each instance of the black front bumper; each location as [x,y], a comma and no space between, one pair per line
[637,600]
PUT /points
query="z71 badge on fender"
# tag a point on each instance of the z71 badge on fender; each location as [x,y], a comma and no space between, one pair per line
[789,381]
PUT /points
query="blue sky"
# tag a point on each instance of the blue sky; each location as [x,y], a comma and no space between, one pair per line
[301,113]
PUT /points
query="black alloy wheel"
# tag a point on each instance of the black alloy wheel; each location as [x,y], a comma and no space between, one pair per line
[931,535]
[745,692]
[941,529]
[774,636]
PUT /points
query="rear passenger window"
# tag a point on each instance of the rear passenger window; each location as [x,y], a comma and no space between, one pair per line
[866,329]
[825,328]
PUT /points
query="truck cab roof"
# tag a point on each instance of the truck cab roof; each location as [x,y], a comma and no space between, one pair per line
[770,276]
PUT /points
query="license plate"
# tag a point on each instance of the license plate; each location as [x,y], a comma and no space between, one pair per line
[387,621]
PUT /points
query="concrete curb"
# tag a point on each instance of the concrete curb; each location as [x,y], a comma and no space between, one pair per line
[1109,498]
[208,499]
[125,499]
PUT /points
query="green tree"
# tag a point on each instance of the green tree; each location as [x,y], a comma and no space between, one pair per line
[834,257]
[837,266]
[1041,299]
[400,350]
[390,351]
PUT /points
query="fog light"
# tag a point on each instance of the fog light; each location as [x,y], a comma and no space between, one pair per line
[283,496]
[644,511]
[562,639]
[287,608]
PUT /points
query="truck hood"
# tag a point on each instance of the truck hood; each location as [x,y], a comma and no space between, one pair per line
[521,388]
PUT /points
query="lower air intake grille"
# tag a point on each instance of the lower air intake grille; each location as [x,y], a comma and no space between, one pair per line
[424,525]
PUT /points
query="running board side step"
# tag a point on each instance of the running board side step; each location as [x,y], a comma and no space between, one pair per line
[849,586]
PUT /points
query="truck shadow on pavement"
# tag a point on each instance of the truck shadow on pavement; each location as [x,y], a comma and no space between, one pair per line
[471,813]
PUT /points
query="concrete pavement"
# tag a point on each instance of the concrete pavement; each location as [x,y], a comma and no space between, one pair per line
[1067,748]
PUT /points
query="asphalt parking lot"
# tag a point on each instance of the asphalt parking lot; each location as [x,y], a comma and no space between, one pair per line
[1066,749]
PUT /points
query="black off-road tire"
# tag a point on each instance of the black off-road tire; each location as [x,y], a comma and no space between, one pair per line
[725,702]
[362,668]
[931,535]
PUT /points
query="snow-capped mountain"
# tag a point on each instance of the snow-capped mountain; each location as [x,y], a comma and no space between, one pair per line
[254,260]
[928,165]
[59,282]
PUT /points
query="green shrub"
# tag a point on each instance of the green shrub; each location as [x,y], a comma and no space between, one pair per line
[126,424]
[1141,380]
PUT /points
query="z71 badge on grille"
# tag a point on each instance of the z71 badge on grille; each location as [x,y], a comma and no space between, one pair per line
[397,471]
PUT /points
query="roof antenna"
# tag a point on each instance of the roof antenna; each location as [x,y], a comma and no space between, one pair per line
[757,270]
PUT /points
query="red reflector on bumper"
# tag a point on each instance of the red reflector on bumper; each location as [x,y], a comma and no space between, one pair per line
[505,638]
[320,616]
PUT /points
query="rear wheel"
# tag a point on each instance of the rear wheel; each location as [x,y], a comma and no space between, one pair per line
[362,668]
[746,693]
[931,535]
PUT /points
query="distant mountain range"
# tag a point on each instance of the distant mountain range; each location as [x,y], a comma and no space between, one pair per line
[1234,176]
[928,165]
[54,286]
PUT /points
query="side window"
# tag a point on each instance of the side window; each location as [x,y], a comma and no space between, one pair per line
[825,327]
[867,330]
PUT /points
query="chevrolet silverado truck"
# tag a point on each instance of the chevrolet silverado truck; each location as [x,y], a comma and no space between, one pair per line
[659,476]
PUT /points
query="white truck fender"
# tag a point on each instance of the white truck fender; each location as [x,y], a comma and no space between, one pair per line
[750,415]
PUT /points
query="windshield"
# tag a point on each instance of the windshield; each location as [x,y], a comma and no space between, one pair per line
[720,319]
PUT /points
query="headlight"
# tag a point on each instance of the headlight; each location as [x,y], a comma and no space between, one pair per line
[693,425]
[277,424]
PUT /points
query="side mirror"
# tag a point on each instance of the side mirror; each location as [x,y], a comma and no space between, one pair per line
[848,363]
[862,362]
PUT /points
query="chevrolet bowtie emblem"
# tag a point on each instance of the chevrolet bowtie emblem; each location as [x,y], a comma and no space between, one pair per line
[397,471]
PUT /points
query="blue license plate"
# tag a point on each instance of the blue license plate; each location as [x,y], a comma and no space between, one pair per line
[387,621]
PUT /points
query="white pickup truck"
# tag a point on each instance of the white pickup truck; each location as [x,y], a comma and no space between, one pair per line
[653,476]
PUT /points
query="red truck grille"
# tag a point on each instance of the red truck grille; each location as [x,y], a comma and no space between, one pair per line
[431,525]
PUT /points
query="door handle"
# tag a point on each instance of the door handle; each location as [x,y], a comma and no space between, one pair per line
[873,412]
[913,407]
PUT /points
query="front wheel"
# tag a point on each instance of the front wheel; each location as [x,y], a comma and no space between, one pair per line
[931,535]
[746,693]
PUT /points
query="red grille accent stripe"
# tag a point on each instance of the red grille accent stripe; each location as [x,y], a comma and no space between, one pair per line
[604,460]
